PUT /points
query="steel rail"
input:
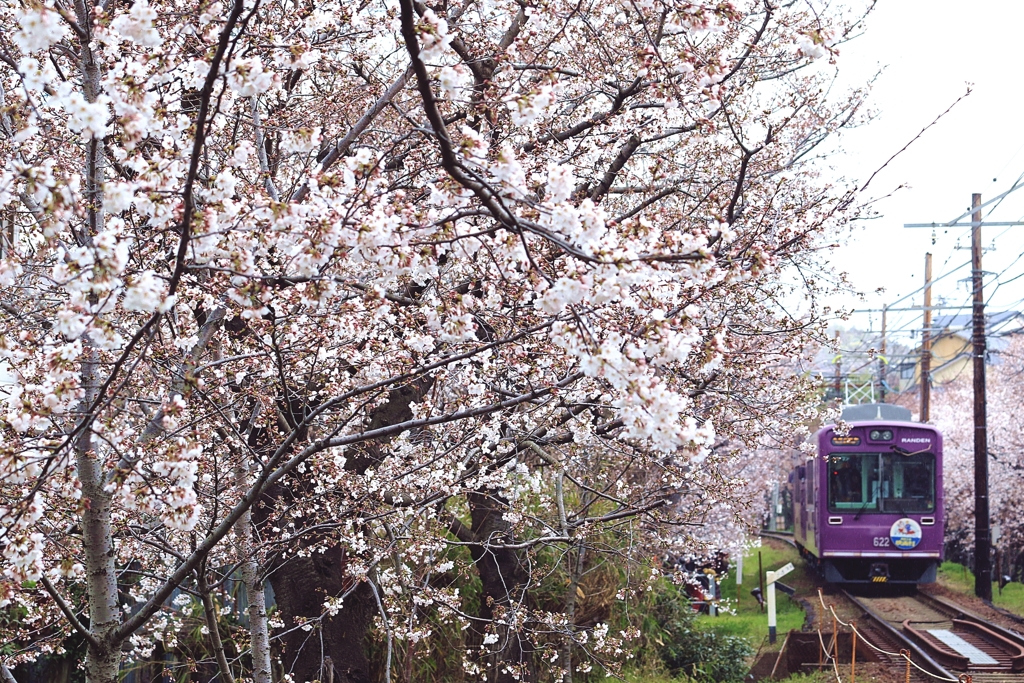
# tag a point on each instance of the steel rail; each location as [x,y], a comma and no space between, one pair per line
[921,658]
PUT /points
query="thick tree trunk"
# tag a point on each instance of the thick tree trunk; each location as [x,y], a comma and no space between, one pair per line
[504,579]
[259,633]
[301,586]
[103,657]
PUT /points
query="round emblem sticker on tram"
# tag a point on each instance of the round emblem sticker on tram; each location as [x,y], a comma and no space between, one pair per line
[905,534]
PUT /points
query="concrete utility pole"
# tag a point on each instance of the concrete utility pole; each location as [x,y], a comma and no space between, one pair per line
[982,531]
[882,360]
[837,383]
[926,343]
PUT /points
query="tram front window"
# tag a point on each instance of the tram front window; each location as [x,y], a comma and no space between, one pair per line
[908,482]
[853,482]
[881,483]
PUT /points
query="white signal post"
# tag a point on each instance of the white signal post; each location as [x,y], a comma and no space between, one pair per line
[770,578]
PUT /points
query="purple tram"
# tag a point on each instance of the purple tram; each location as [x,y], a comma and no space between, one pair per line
[868,508]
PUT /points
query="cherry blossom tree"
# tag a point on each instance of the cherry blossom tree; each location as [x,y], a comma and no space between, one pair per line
[1006,444]
[349,297]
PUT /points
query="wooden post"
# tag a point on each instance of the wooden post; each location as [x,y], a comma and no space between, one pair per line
[982,539]
[835,632]
[926,343]
[760,576]
[853,653]
[999,570]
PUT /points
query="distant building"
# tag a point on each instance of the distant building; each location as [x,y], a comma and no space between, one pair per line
[952,346]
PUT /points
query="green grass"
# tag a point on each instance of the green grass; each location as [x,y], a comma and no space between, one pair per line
[749,621]
[811,677]
[650,677]
[957,577]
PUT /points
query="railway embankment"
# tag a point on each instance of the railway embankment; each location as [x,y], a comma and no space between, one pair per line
[957,583]
[945,631]
[808,635]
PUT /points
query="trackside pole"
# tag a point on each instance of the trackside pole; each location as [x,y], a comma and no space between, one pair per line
[739,579]
[760,575]
[982,527]
[770,578]
[853,654]
[771,607]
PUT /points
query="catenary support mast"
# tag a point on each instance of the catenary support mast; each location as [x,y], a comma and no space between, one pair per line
[882,360]
[982,530]
[926,343]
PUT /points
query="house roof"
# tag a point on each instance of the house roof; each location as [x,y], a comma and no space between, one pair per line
[1004,322]
[1000,326]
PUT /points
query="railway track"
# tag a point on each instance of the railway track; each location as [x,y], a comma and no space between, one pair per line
[943,638]
[784,536]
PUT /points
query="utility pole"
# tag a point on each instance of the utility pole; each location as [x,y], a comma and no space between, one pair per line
[838,381]
[926,343]
[882,359]
[982,531]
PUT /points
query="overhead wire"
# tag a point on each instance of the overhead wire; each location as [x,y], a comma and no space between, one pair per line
[911,324]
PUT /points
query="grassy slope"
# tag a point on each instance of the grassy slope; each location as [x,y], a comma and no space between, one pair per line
[747,620]
[957,577]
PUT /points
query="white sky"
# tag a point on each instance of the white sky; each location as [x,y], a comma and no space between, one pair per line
[930,50]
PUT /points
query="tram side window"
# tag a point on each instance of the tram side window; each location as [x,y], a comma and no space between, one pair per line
[908,483]
[853,482]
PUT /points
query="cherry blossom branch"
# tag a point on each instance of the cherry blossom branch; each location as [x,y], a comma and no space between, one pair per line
[625,152]
[269,477]
[342,147]
[182,377]
[618,102]
[915,139]
[261,151]
[68,614]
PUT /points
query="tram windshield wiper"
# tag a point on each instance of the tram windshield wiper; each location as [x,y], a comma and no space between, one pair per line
[862,509]
[898,503]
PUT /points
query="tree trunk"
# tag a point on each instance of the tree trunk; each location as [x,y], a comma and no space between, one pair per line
[104,655]
[259,633]
[504,579]
[301,585]
[571,593]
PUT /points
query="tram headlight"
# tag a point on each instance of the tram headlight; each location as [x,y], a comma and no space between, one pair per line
[881,435]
